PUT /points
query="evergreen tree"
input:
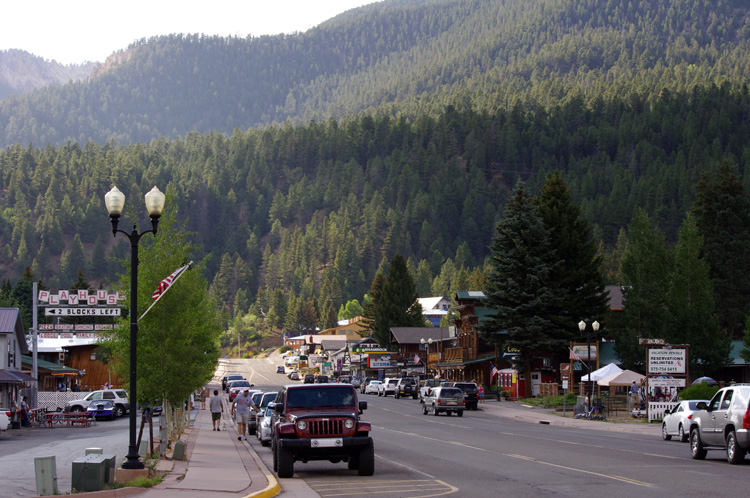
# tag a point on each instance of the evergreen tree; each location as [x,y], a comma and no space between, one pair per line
[518,293]
[646,270]
[398,305]
[693,317]
[371,303]
[577,279]
[722,214]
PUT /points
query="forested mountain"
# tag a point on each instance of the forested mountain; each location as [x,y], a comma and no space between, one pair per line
[402,57]
[407,124]
[22,72]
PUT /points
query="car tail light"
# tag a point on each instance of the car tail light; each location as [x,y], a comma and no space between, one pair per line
[746,420]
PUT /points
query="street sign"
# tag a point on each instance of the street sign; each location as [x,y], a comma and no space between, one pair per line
[645,341]
[82,312]
[565,372]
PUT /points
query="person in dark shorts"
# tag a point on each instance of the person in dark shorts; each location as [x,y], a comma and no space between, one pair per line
[216,404]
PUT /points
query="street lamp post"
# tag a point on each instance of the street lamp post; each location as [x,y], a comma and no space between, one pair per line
[426,345]
[582,328]
[115,201]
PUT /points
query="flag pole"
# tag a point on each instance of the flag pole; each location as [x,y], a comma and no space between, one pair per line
[185,268]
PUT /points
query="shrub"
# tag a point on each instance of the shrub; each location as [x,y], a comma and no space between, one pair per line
[699,391]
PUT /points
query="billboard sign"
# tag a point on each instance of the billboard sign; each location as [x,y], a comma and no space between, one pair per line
[667,361]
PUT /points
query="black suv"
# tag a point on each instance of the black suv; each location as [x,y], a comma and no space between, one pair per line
[309,379]
[470,390]
[321,422]
[407,386]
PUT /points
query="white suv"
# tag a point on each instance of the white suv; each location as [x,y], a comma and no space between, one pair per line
[119,396]
[388,386]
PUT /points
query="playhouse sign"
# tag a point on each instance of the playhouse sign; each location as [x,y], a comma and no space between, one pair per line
[80,297]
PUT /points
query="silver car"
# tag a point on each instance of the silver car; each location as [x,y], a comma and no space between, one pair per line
[264,425]
[676,422]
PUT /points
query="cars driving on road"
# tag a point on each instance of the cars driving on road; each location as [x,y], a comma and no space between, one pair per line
[407,387]
[444,400]
[236,387]
[230,378]
[321,422]
[470,390]
[280,369]
[388,386]
[321,379]
[372,387]
[676,422]
[118,396]
[723,423]
[294,376]
[364,383]
[309,379]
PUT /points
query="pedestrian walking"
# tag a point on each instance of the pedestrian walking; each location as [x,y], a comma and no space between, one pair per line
[216,405]
[481,393]
[204,395]
[241,407]
[25,412]
[635,398]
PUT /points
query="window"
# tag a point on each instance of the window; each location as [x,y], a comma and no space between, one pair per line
[727,400]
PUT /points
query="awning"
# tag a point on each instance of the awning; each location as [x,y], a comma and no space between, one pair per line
[15,376]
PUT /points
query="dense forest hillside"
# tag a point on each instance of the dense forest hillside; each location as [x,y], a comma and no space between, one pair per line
[22,72]
[314,210]
[399,57]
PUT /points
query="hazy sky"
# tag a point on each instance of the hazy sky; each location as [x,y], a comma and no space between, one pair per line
[75,31]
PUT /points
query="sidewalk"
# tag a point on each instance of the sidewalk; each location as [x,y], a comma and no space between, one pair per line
[549,416]
[216,464]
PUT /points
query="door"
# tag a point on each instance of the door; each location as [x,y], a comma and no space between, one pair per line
[536,382]
[718,418]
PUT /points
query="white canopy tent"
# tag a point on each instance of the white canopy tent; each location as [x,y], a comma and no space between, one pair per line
[602,373]
[624,378]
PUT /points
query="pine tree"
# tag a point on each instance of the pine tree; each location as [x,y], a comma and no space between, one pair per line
[722,214]
[693,317]
[646,271]
[518,292]
[577,278]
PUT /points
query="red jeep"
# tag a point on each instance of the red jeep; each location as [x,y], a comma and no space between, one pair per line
[321,422]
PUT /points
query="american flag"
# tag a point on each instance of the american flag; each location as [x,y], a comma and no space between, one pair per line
[416,359]
[574,356]
[164,284]
[493,371]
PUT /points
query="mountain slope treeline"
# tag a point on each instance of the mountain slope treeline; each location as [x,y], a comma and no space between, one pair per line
[322,206]
[401,57]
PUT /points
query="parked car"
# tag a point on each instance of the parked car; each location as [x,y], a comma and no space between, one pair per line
[280,369]
[723,423]
[321,422]
[229,378]
[265,417]
[407,387]
[118,396]
[372,387]
[388,386]
[103,408]
[676,422]
[4,419]
[364,383]
[236,387]
[470,390]
[444,399]
[309,379]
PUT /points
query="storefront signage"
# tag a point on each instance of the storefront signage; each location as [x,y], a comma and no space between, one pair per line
[666,361]
[79,297]
[72,312]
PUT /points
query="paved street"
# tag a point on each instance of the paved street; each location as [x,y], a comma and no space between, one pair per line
[500,448]
[19,447]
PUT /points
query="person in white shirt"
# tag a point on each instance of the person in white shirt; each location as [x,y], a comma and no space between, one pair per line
[216,405]
[242,405]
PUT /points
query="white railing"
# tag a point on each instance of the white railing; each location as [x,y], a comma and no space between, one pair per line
[656,409]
